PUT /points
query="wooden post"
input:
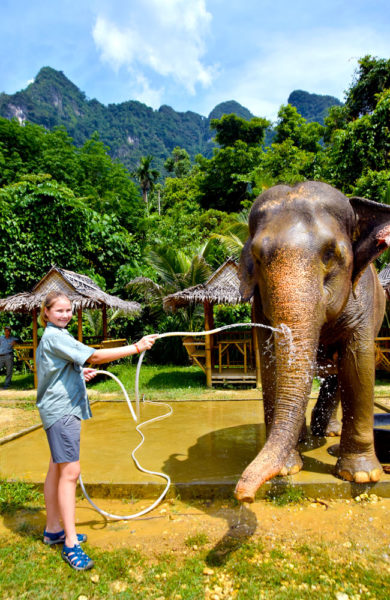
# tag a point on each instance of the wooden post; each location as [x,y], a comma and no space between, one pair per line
[104,312]
[208,324]
[80,324]
[256,348]
[35,345]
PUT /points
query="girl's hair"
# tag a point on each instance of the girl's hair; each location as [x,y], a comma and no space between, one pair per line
[48,303]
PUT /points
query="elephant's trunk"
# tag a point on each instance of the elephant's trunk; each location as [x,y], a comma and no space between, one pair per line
[296,302]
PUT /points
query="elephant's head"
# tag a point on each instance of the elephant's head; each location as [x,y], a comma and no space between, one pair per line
[308,246]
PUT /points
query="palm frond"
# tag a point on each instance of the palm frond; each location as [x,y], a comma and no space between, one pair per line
[199,271]
[232,243]
[169,264]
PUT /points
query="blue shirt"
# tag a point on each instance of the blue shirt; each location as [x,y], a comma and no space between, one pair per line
[6,344]
[61,385]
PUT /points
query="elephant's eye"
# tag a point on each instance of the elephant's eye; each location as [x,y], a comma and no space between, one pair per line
[328,254]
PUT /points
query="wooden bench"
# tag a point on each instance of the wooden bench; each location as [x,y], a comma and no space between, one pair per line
[25,353]
[107,344]
[196,349]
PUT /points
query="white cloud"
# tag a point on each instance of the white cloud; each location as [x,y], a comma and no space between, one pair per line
[117,47]
[148,95]
[166,37]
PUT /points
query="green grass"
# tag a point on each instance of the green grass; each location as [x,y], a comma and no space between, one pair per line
[199,539]
[17,494]
[169,381]
[281,495]
[254,570]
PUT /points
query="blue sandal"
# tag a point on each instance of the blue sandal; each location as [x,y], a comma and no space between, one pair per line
[77,558]
[59,537]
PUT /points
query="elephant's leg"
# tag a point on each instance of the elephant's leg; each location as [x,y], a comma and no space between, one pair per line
[334,427]
[323,416]
[294,462]
[357,460]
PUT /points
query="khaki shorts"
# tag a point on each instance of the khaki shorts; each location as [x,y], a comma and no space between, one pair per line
[64,439]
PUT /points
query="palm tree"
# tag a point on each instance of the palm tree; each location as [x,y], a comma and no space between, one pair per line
[176,271]
[146,176]
[94,318]
[235,235]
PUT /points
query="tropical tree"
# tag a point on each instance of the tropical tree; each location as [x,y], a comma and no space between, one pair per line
[359,151]
[372,77]
[146,176]
[179,163]
[175,271]
[230,128]
[43,223]
[235,234]
[94,320]
[224,180]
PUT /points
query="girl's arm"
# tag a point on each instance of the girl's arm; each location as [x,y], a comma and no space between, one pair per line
[104,355]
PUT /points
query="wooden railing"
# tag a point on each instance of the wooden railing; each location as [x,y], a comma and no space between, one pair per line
[382,353]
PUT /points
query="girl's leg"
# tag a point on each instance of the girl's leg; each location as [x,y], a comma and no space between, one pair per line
[50,489]
[68,476]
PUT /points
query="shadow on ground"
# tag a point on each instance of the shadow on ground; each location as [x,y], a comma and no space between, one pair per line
[207,460]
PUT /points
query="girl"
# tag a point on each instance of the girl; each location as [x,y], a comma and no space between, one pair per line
[62,402]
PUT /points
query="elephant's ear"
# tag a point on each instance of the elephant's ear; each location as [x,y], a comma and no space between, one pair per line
[245,272]
[371,235]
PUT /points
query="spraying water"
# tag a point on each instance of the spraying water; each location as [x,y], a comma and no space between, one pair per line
[283,330]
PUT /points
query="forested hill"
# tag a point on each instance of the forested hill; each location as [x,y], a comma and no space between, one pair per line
[312,107]
[130,129]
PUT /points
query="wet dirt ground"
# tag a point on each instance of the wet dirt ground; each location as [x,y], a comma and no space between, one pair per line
[344,524]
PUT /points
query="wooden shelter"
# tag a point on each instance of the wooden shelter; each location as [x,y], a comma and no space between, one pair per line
[217,354]
[382,343]
[82,291]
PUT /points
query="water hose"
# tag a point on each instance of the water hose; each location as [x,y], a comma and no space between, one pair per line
[283,329]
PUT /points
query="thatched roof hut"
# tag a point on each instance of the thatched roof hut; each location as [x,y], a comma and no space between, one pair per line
[83,292]
[221,288]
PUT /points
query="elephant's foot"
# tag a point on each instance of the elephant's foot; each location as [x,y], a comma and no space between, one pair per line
[292,465]
[331,429]
[360,469]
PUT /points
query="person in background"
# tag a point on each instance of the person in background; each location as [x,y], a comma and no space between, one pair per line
[7,343]
[62,402]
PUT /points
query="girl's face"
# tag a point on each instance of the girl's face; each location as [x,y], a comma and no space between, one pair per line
[60,312]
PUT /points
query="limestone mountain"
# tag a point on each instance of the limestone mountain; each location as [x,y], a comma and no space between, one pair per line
[130,129]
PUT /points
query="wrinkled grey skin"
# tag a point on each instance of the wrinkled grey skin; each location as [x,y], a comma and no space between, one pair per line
[307,264]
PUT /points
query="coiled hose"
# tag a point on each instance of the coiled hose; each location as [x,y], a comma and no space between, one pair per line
[283,329]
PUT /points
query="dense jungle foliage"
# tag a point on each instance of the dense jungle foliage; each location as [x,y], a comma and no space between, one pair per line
[145,233]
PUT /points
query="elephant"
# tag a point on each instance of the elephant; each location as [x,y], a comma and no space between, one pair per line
[307,264]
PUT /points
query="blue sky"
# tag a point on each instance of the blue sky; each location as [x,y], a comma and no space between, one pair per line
[193,54]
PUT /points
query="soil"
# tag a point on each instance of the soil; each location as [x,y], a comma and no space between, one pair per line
[222,526]
[360,523]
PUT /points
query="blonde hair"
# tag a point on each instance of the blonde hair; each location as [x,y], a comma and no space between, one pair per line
[48,303]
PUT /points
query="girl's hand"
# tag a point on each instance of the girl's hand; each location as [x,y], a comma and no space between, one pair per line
[89,373]
[147,342]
